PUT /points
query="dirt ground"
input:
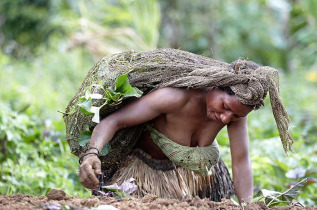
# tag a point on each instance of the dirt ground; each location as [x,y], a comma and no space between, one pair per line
[58,197]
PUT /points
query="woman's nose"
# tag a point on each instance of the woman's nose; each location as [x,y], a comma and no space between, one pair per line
[226,117]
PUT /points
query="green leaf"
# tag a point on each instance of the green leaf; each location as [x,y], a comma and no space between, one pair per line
[293,192]
[123,86]
[122,83]
[122,194]
[271,196]
[105,150]
[81,100]
[84,137]
[133,92]
[85,105]
[119,193]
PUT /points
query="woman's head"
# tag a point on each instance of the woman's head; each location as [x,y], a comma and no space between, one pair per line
[222,105]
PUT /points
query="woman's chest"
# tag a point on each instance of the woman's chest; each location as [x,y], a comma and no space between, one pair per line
[188,129]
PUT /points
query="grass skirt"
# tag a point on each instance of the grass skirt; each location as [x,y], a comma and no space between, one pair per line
[166,180]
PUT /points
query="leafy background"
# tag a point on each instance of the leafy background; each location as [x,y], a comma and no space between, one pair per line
[47,47]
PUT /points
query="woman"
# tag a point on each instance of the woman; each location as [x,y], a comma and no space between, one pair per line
[177,155]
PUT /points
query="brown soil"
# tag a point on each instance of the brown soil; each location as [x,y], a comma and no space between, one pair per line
[20,201]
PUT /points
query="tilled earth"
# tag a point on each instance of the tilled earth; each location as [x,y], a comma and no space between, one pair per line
[58,197]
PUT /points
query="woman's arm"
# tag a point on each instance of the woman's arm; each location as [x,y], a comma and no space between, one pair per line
[241,166]
[144,109]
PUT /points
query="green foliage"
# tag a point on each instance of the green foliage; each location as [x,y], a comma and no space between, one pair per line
[276,33]
[105,150]
[117,193]
[12,125]
[25,24]
[113,26]
[34,159]
[271,167]
[84,137]
[145,16]
[273,198]
[46,84]
[122,90]
[303,26]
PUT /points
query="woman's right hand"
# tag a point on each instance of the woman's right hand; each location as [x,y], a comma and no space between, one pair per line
[90,166]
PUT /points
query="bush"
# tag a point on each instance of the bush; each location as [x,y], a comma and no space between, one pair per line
[34,157]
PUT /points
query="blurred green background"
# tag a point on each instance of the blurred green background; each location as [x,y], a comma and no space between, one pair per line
[47,47]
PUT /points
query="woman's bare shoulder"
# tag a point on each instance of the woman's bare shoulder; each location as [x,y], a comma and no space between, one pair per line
[173,97]
[175,94]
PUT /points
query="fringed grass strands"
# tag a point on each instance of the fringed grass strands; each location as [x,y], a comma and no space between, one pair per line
[175,182]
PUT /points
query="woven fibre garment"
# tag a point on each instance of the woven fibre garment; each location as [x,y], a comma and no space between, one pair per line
[171,68]
[174,183]
[197,159]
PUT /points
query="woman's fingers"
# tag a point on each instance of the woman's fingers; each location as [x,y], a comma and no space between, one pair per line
[91,175]
[96,165]
[87,176]
[84,177]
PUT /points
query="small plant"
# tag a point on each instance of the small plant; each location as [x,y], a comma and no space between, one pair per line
[111,96]
[123,191]
[273,198]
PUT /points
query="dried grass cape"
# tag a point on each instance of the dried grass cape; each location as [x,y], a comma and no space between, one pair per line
[171,68]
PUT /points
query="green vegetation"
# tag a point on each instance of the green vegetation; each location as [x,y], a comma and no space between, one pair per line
[48,47]
[34,159]
[113,96]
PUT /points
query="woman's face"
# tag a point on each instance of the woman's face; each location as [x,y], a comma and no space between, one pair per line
[224,107]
